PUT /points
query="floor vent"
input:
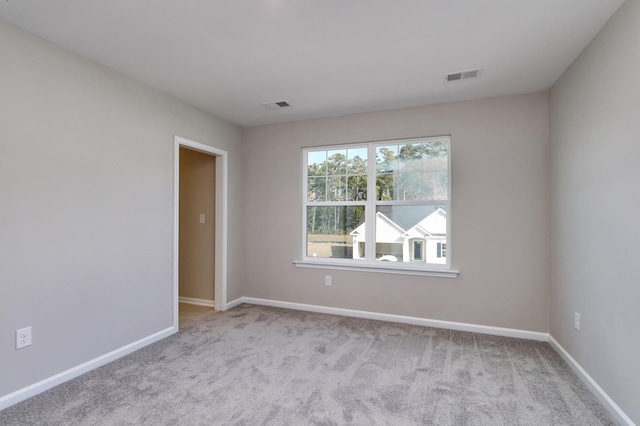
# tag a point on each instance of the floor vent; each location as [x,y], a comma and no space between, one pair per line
[463,75]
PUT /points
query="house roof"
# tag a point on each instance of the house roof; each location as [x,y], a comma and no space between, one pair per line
[388,230]
[433,224]
[407,216]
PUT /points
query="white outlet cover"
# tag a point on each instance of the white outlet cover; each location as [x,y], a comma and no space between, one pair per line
[23,337]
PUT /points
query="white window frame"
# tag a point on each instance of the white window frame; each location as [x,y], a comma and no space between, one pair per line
[369,263]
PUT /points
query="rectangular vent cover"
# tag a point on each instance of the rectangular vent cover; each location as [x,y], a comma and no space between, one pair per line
[276,105]
[463,75]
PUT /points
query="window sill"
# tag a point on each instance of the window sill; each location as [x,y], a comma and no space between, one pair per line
[400,270]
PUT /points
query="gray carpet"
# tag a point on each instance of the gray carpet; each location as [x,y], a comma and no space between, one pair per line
[265,366]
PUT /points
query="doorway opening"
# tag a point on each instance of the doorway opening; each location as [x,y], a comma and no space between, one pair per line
[200,229]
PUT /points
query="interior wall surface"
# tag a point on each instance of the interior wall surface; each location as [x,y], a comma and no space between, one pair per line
[594,133]
[86,206]
[499,213]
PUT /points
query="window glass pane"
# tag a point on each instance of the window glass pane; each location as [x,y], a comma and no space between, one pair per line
[337,188]
[337,162]
[434,185]
[316,189]
[316,163]
[398,228]
[357,161]
[436,176]
[420,171]
[435,163]
[409,186]
[436,150]
[410,157]
[387,158]
[357,188]
[385,186]
[332,232]
[442,186]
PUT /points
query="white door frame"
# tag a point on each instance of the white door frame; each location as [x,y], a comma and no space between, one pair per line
[221,198]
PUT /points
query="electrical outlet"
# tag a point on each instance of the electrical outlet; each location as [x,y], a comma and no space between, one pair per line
[23,337]
[201,217]
[327,280]
[576,321]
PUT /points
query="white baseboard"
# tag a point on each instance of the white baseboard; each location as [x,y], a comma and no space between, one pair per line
[483,329]
[194,301]
[234,303]
[595,388]
[48,383]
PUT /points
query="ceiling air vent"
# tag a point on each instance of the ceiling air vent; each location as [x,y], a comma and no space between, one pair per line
[463,75]
[276,105]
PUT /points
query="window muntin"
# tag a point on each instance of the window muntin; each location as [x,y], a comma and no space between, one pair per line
[408,216]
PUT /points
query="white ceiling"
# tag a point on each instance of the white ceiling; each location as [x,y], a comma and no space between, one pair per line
[326,57]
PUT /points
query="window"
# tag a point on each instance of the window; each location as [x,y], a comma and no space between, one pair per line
[378,202]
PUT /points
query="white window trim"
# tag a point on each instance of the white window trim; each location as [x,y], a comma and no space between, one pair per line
[399,268]
[404,268]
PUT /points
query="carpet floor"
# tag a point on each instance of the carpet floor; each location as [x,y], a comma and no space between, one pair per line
[257,365]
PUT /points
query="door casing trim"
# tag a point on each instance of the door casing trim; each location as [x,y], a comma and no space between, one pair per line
[221,221]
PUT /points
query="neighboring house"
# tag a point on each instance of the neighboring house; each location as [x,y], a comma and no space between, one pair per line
[426,241]
[388,238]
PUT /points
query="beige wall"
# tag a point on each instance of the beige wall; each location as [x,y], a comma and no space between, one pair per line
[595,152]
[500,237]
[86,206]
[197,240]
